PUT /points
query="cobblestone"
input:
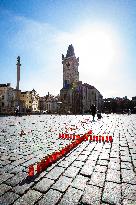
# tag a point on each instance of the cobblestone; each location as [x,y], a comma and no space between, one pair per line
[62,183]
[91,173]
[55,173]
[29,198]
[5,176]
[100,169]
[97,179]
[82,157]
[126,165]
[102,162]
[77,164]
[112,193]
[92,195]
[87,169]
[128,176]
[71,171]
[128,193]
[22,188]
[71,197]
[80,182]
[50,198]
[44,185]
[113,176]
[16,179]
[8,198]
[65,163]
[4,188]
[114,165]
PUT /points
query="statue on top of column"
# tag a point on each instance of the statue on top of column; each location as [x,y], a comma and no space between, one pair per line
[18,60]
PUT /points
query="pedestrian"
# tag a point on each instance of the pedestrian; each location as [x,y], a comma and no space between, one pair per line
[93,111]
[129,112]
[99,114]
[17,111]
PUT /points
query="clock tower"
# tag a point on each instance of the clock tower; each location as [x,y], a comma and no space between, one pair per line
[70,94]
[70,68]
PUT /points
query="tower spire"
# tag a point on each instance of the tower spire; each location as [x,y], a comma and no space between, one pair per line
[70,67]
[70,51]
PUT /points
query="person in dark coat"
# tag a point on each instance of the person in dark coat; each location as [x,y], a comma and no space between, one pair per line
[99,114]
[93,111]
[17,111]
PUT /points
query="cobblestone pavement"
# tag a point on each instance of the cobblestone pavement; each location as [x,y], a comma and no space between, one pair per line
[92,173]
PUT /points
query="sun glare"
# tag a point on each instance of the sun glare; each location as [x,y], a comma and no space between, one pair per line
[96,49]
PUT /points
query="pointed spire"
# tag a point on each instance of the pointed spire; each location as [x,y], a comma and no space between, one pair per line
[70,51]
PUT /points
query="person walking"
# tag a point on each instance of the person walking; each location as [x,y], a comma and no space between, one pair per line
[99,114]
[93,111]
[129,112]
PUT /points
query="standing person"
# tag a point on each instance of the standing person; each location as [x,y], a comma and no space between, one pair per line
[129,112]
[93,111]
[99,114]
[17,111]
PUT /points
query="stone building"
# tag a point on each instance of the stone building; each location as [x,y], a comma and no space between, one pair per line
[11,98]
[76,97]
[26,101]
[49,104]
[70,80]
[42,103]
[35,101]
[134,99]
[91,96]
[29,101]
[70,68]
[7,98]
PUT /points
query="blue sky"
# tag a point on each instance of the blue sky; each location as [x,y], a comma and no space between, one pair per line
[103,33]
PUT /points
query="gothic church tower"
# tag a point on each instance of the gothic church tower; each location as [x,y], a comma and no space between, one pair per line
[70,67]
[71,82]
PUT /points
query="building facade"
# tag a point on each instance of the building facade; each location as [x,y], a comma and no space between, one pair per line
[49,104]
[35,101]
[29,101]
[69,94]
[76,97]
[70,67]
[91,96]
[7,98]
[42,103]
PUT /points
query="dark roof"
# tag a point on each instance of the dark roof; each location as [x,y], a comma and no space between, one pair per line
[5,85]
[87,85]
[70,51]
[24,92]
